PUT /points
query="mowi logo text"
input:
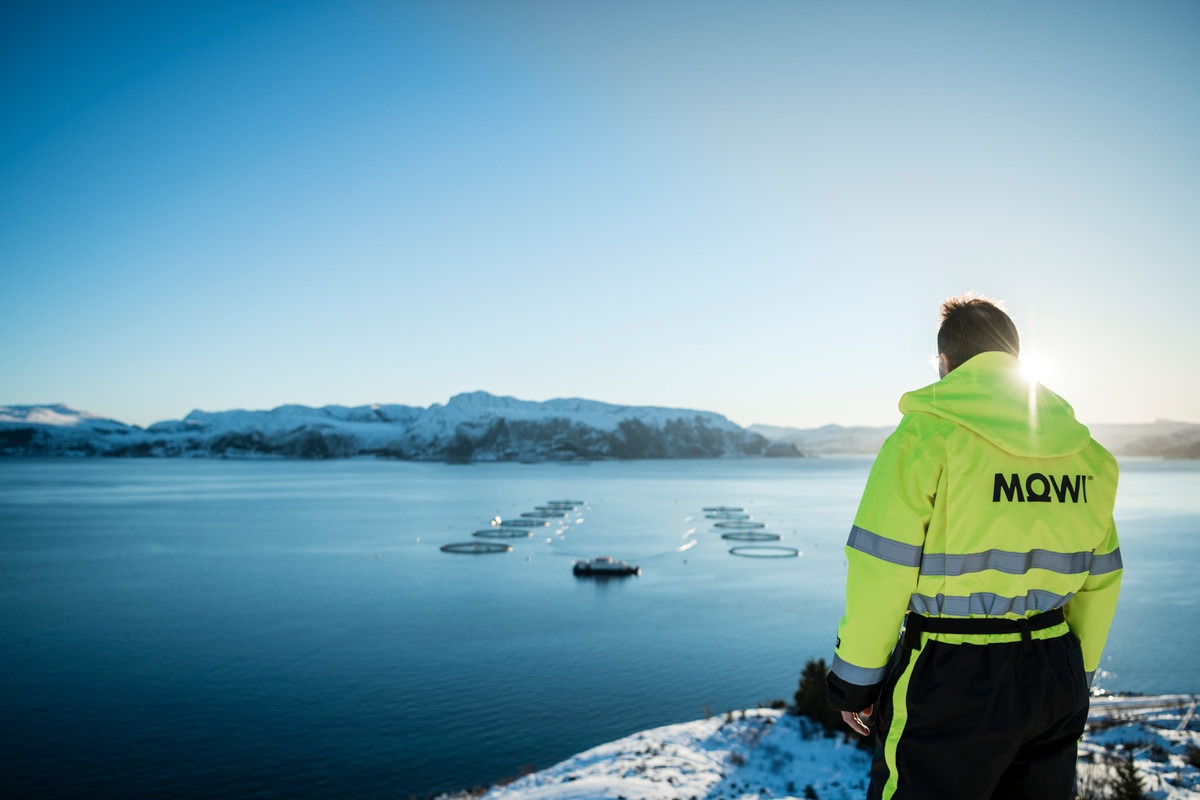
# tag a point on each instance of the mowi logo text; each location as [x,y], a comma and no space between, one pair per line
[1039,488]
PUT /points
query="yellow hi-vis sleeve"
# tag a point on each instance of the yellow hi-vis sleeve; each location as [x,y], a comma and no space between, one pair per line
[1090,611]
[883,554]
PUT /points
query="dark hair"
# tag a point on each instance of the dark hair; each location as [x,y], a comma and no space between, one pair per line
[973,324]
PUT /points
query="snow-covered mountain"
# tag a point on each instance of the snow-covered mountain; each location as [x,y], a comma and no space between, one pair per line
[1162,439]
[478,426]
[60,429]
[471,427]
[828,439]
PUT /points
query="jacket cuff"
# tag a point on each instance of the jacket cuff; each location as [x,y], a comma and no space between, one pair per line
[846,696]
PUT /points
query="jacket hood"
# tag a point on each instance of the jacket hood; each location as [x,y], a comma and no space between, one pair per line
[989,396]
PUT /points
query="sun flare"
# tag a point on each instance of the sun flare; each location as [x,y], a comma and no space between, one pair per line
[1034,368]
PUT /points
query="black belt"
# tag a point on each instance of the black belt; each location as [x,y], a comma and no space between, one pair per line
[916,624]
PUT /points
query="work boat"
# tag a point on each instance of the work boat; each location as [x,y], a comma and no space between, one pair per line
[605,566]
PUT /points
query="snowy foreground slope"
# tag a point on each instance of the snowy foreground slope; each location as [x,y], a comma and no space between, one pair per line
[762,753]
[471,427]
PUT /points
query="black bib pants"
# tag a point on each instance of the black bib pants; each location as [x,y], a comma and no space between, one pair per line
[986,718]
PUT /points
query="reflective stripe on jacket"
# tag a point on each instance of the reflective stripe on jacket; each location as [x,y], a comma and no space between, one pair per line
[988,500]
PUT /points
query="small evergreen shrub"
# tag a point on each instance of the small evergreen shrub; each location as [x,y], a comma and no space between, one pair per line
[810,697]
[1128,784]
[1118,781]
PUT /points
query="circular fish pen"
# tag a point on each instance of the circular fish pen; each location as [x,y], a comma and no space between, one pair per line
[714,509]
[524,522]
[741,524]
[504,533]
[476,548]
[751,536]
[543,514]
[764,551]
[727,515]
[555,508]
[564,503]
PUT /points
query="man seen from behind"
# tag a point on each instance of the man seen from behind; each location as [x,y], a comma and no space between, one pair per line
[986,531]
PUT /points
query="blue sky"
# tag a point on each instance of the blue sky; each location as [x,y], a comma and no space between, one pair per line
[750,208]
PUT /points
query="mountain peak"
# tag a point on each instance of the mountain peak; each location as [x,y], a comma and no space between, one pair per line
[481,399]
[58,414]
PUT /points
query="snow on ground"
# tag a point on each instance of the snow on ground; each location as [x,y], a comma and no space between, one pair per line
[1165,743]
[760,754]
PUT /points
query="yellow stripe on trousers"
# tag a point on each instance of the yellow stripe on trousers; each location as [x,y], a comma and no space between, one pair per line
[899,718]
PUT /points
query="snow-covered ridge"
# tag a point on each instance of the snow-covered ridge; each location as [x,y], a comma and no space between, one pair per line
[1162,438]
[759,754]
[56,415]
[482,427]
[828,439]
[476,426]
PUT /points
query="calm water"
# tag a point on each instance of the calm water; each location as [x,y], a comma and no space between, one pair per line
[290,629]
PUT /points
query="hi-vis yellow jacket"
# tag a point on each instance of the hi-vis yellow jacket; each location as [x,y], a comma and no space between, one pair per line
[988,500]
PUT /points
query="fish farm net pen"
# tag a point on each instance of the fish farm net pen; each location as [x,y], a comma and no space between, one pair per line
[751,536]
[764,551]
[504,533]
[476,548]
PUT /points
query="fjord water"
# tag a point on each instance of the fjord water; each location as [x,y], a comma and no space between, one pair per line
[198,628]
